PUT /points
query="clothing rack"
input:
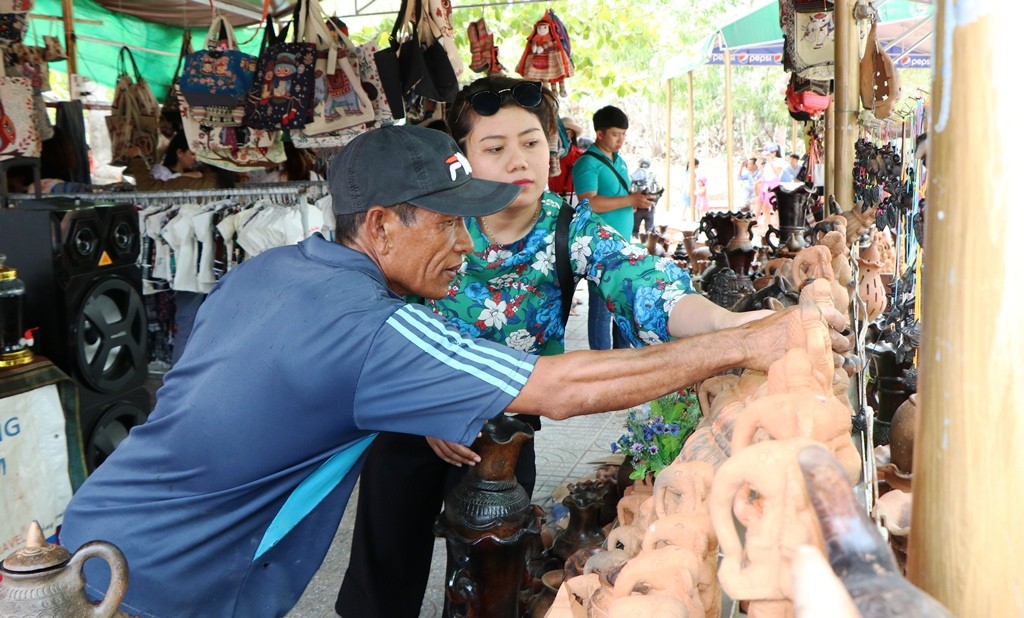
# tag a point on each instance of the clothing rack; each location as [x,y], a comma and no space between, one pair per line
[298,188]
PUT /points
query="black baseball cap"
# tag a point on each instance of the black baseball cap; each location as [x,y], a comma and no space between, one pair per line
[423,167]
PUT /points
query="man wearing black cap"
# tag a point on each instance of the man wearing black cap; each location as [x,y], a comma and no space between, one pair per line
[226,500]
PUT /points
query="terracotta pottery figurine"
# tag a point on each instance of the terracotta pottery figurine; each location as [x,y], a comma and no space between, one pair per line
[669,571]
[581,592]
[694,533]
[649,605]
[584,502]
[42,580]
[488,524]
[901,435]
[607,565]
[801,406]
[856,550]
[762,486]
[893,511]
[628,538]
[870,287]
[683,487]
[835,241]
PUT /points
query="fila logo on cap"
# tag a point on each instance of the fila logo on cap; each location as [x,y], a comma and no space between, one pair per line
[456,161]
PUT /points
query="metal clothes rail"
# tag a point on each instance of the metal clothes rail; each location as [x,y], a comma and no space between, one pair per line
[296,189]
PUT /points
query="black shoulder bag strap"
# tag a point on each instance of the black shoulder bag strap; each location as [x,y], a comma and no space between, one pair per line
[625,185]
[563,266]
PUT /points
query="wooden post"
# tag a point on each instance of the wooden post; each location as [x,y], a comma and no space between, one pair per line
[968,460]
[829,148]
[846,101]
[792,138]
[67,8]
[728,129]
[691,183]
[668,147]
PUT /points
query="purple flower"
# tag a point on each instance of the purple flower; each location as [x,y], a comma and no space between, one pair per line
[653,449]
[659,428]
[673,429]
[637,448]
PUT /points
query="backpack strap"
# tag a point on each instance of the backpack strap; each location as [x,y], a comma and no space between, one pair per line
[563,267]
[625,185]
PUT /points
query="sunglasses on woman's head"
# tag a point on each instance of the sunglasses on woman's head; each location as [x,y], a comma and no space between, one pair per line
[488,102]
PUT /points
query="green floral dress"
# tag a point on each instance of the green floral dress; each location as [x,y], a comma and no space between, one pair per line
[510,293]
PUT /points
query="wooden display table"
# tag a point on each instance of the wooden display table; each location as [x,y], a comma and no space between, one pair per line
[41,459]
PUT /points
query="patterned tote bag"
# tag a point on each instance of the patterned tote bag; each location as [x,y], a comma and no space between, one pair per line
[216,80]
[282,92]
[18,134]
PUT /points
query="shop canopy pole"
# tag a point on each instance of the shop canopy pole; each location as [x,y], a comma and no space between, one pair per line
[668,146]
[847,101]
[691,183]
[968,461]
[68,10]
[828,150]
[728,128]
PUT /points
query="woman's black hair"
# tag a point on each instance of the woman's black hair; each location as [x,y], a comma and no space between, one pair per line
[461,117]
[178,142]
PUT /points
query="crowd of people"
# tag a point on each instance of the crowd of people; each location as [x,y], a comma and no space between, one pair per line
[296,381]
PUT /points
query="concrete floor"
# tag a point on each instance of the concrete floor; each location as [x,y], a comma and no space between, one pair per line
[563,452]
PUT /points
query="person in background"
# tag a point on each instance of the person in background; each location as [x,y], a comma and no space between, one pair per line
[298,165]
[700,191]
[562,183]
[600,177]
[770,171]
[748,176]
[177,171]
[792,169]
[56,161]
[508,292]
[644,182]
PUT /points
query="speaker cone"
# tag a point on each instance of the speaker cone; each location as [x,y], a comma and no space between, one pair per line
[110,336]
[110,430]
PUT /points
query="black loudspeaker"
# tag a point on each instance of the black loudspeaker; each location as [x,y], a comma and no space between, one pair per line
[84,293]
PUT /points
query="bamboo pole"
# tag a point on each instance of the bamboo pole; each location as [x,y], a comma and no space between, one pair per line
[692,182]
[829,150]
[668,147]
[966,539]
[68,9]
[846,100]
[792,137]
[728,129]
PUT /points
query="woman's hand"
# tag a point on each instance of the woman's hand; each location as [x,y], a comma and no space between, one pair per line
[453,453]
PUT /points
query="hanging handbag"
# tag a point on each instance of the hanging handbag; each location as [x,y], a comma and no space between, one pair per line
[809,38]
[282,92]
[18,134]
[16,6]
[12,28]
[134,113]
[339,100]
[170,111]
[54,49]
[32,64]
[234,148]
[216,80]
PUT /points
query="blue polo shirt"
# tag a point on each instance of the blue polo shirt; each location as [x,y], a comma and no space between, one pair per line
[226,500]
[590,174]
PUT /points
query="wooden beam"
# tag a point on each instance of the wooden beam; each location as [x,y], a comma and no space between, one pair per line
[668,146]
[691,183]
[729,174]
[68,10]
[847,101]
[829,148]
[968,461]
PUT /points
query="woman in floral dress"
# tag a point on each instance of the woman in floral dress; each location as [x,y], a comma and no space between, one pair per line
[508,292]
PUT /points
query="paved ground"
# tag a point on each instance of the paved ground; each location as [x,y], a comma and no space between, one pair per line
[563,452]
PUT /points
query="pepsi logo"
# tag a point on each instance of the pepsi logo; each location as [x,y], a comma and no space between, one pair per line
[905,61]
[777,57]
[742,57]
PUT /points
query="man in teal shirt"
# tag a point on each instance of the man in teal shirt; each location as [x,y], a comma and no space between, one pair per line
[601,176]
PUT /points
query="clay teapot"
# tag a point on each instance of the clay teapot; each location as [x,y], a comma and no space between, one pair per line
[46,580]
